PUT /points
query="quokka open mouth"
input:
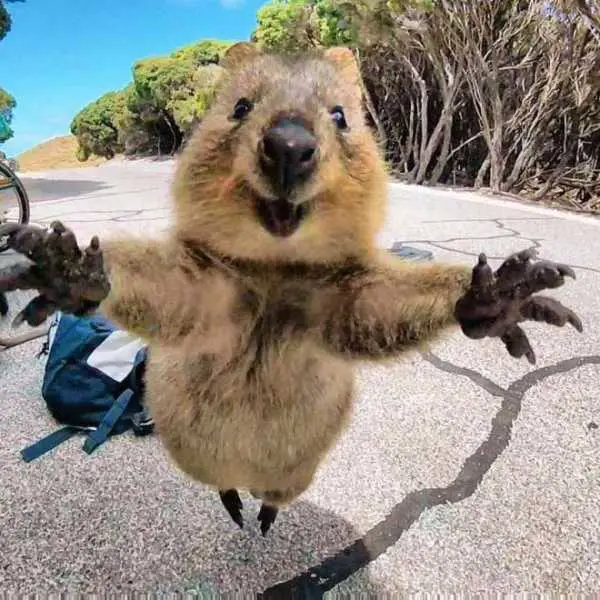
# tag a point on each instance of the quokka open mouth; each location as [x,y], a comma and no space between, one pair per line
[281,217]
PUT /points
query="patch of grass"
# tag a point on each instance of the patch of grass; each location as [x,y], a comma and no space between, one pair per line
[57,153]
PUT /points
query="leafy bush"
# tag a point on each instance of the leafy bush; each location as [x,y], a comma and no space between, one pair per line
[96,126]
[7,102]
[7,106]
[156,112]
[5,21]
[295,26]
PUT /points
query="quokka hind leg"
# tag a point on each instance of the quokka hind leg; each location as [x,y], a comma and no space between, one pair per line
[4,308]
[268,512]
[272,501]
[233,504]
[267,516]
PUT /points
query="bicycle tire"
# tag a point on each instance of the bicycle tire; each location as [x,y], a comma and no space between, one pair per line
[23,199]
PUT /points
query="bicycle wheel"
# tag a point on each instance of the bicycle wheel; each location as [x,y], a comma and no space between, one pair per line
[12,196]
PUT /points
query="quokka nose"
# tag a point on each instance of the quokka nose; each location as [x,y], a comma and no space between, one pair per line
[288,154]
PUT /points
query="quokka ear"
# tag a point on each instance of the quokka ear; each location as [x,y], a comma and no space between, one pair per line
[346,63]
[239,55]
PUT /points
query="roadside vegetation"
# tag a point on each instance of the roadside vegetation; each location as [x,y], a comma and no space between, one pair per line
[7,100]
[156,112]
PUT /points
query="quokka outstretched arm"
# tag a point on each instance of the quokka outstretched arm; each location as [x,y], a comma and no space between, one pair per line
[394,305]
[151,290]
[390,307]
[142,285]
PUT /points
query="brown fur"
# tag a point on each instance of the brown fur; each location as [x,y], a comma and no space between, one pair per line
[253,337]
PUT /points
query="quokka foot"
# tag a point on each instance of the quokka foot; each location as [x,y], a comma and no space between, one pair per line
[233,504]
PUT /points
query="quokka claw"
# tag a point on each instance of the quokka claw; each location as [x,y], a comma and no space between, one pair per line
[551,311]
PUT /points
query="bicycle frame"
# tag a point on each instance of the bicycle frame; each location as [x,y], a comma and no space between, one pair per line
[9,180]
[10,342]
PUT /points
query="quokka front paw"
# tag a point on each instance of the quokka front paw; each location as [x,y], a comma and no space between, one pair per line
[66,277]
[498,301]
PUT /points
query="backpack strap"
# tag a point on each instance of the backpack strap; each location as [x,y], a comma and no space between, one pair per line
[99,435]
[96,437]
[48,443]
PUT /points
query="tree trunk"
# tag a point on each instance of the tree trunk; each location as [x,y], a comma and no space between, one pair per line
[174,138]
[568,155]
[482,172]
[436,135]
[443,158]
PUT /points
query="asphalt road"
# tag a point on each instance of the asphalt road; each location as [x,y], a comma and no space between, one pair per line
[463,470]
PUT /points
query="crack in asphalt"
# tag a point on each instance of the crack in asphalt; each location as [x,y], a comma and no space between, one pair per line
[500,224]
[510,233]
[314,582]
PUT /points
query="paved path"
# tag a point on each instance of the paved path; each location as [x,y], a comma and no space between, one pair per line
[463,469]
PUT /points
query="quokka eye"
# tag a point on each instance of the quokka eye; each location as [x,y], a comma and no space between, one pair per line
[339,118]
[242,107]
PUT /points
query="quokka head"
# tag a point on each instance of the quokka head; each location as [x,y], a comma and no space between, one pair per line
[283,166]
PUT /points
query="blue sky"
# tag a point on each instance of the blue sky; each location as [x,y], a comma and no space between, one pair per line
[62,54]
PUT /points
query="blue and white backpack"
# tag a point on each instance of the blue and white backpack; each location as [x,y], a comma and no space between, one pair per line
[93,382]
